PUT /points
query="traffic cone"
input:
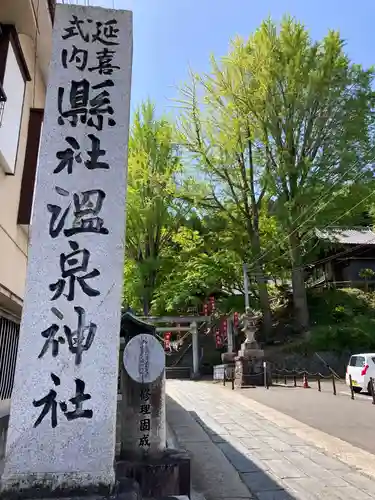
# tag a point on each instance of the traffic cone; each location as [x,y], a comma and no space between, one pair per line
[305,382]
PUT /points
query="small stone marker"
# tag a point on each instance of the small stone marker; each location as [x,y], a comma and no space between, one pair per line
[143,428]
[61,436]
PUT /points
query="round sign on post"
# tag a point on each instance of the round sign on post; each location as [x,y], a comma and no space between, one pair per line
[144,358]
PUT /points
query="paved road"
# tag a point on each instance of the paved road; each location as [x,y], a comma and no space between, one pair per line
[274,456]
[352,421]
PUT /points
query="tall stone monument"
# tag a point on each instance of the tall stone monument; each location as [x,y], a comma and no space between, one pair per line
[61,435]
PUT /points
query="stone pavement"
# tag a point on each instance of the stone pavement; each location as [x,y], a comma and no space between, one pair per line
[242,449]
[339,416]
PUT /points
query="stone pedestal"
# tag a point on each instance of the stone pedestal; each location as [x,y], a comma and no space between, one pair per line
[159,475]
[228,357]
[249,369]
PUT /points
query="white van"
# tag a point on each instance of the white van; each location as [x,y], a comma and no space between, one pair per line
[361,367]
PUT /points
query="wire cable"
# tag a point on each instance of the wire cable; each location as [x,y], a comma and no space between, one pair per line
[360,174]
[326,227]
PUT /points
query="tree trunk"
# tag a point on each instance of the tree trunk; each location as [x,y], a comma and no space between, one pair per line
[146,305]
[148,292]
[264,300]
[262,286]
[298,283]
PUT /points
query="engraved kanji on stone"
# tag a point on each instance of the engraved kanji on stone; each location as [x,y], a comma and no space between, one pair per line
[74,269]
[87,206]
[106,33]
[144,441]
[86,108]
[78,401]
[73,154]
[75,29]
[50,334]
[104,64]
[49,403]
[145,409]
[145,425]
[81,339]
[78,57]
[145,394]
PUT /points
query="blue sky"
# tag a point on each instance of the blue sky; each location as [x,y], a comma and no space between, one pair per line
[170,35]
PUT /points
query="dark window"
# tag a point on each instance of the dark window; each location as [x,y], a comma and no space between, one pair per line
[9,331]
[357,361]
[29,168]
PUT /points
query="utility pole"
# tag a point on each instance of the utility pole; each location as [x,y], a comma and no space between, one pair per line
[195,346]
[246,285]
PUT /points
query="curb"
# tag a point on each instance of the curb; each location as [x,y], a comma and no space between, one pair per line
[172,442]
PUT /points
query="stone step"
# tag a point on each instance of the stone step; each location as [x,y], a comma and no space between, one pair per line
[179,372]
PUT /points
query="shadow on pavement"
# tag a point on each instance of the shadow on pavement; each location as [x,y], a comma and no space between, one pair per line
[249,467]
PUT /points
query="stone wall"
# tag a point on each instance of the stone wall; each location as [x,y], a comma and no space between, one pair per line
[311,363]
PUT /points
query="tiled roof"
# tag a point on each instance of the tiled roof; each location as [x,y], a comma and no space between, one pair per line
[356,236]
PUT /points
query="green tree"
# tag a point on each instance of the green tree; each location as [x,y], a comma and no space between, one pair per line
[366,274]
[310,111]
[201,261]
[153,210]
[217,133]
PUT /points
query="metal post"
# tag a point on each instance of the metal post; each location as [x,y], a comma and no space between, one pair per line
[285,381]
[351,386]
[246,285]
[319,386]
[265,374]
[195,344]
[372,390]
[334,384]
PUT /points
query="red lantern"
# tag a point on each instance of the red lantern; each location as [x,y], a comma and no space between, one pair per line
[212,304]
[235,320]
[225,329]
[167,340]
[218,339]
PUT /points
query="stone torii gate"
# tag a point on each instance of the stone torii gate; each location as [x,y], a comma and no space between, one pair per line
[191,321]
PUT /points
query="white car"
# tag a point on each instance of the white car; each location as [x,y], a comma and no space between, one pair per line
[361,367]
